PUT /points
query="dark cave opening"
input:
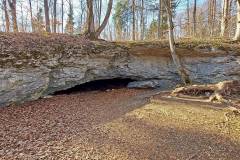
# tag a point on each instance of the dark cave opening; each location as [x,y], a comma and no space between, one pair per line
[97,85]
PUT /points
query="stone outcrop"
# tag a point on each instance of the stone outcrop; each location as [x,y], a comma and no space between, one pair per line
[36,66]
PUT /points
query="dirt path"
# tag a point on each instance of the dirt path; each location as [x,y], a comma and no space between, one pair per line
[118,124]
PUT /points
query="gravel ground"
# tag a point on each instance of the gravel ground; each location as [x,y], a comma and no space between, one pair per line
[114,124]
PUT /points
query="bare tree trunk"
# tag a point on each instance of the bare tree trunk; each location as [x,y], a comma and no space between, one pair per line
[159,20]
[162,8]
[237,35]
[133,23]
[188,18]
[105,21]
[213,17]
[90,32]
[12,5]
[225,17]
[54,16]
[31,16]
[194,18]
[62,16]
[22,21]
[81,16]
[99,11]
[183,74]
[6,16]
[47,21]
[142,20]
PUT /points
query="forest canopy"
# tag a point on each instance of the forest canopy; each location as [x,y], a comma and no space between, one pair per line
[123,19]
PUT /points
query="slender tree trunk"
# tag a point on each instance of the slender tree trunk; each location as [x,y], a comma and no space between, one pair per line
[54,16]
[161,16]
[31,15]
[12,5]
[142,20]
[6,16]
[22,20]
[159,20]
[133,23]
[99,11]
[194,17]
[225,17]
[47,21]
[237,35]
[188,18]
[183,74]
[81,16]
[213,17]
[136,21]
[105,21]
[62,16]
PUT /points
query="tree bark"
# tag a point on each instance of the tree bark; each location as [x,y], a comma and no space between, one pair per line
[6,16]
[159,20]
[22,20]
[183,74]
[99,11]
[62,16]
[194,18]
[54,16]
[237,35]
[31,15]
[225,17]
[90,32]
[142,20]
[211,16]
[133,23]
[188,18]
[47,21]
[105,21]
[12,5]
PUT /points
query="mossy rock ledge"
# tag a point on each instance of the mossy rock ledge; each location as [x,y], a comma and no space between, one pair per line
[33,66]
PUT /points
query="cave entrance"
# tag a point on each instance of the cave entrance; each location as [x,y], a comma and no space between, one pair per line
[97,85]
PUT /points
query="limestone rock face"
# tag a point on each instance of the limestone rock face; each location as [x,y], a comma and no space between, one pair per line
[45,70]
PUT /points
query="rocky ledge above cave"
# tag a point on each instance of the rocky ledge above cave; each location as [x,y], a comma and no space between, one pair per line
[33,66]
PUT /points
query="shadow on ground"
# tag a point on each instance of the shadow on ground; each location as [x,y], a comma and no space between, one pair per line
[117,124]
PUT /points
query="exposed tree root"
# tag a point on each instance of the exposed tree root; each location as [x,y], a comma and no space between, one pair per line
[223,92]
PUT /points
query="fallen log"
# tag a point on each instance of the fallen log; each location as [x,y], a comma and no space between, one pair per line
[223,92]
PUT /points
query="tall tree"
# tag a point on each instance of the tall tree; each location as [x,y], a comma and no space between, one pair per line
[237,35]
[70,23]
[133,20]
[212,15]
[120,20]
[225,16]
[12,5]
[47,20]
[91,32]
[159,19]
[6,15]
[194,17]
[31,15]
[90,20]
[105,20]
[182,72]
[142,20]
[62,14]
[99,11]
[54,16]
[22,20]
[188,18]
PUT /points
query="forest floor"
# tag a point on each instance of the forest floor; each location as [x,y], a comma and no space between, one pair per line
[118,124]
